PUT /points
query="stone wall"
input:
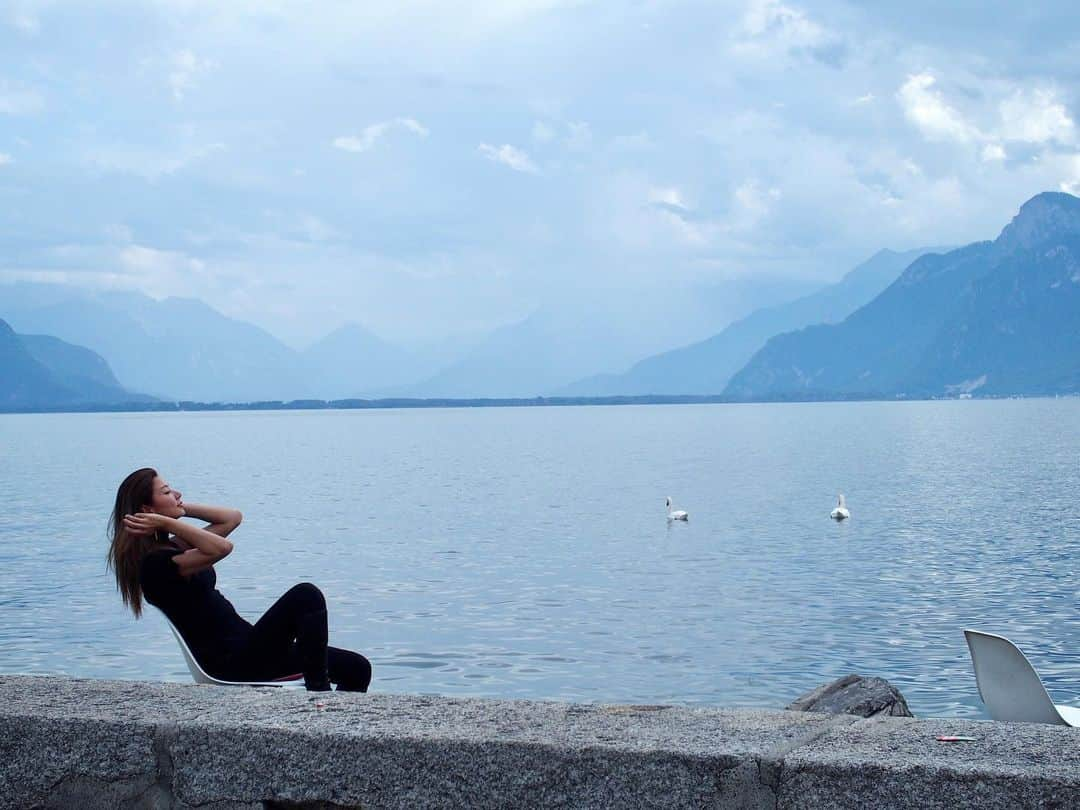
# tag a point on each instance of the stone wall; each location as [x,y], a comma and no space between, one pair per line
[67,743]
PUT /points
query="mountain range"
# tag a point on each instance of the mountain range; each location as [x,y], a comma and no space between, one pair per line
[183,349]
[586,332]
[706,367]
[992,318]
[179,348]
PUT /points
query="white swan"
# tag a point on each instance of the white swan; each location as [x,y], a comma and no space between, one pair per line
[841,511]
[678,514]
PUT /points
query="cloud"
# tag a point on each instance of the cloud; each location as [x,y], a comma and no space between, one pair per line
[1071,171]
[770,18]
[371,134]
[1036,117]
[185,72]
[139,259]
[754,199]
[162,272]
[114,262]
[769,29]
[5,159]
[509,156]
[646,222]
[927,109]
[667,198]
[681,223]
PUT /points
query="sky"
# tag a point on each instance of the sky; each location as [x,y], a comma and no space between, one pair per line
[430,169]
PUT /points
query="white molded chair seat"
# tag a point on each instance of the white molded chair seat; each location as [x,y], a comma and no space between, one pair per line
[1009,685]
[202,676]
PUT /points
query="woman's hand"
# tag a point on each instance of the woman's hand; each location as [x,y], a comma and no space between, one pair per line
[146,523]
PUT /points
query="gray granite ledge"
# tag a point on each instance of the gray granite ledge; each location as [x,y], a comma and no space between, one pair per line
[84,743]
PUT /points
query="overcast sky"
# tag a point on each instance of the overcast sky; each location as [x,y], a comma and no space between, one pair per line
[428,168]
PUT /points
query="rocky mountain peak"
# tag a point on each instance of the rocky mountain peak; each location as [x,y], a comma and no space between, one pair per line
[1044,218]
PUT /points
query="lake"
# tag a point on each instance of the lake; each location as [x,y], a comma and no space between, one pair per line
[525,552]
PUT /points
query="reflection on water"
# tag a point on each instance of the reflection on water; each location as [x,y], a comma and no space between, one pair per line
[526,552]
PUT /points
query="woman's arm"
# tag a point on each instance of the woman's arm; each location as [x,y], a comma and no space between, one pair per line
[206,547]
[222,520]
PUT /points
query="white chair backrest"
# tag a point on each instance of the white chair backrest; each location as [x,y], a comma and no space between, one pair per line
[197,671]
[202,676]
[1008,683]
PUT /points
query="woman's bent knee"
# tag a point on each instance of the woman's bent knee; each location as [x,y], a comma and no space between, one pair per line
[310,595]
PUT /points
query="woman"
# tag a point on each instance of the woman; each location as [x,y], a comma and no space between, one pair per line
[171,563]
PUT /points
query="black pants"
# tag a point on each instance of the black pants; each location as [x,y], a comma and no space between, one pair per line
[291,637]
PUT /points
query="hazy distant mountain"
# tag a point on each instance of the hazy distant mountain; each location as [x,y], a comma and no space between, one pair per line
[351,361]
[707,367]
[588,332]
[177,348]
[522,360]
[40,371]
[183,349]
[998,317]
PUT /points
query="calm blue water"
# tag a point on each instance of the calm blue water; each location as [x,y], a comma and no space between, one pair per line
[525,552]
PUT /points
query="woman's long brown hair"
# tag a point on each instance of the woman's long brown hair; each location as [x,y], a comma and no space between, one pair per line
[126,550]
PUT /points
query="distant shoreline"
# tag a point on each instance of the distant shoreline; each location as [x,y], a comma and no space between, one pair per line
[480,402]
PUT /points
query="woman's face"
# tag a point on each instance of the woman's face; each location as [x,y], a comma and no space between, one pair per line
[166,500]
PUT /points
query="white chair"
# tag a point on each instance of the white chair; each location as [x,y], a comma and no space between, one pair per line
[1009,685]
[202,676]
